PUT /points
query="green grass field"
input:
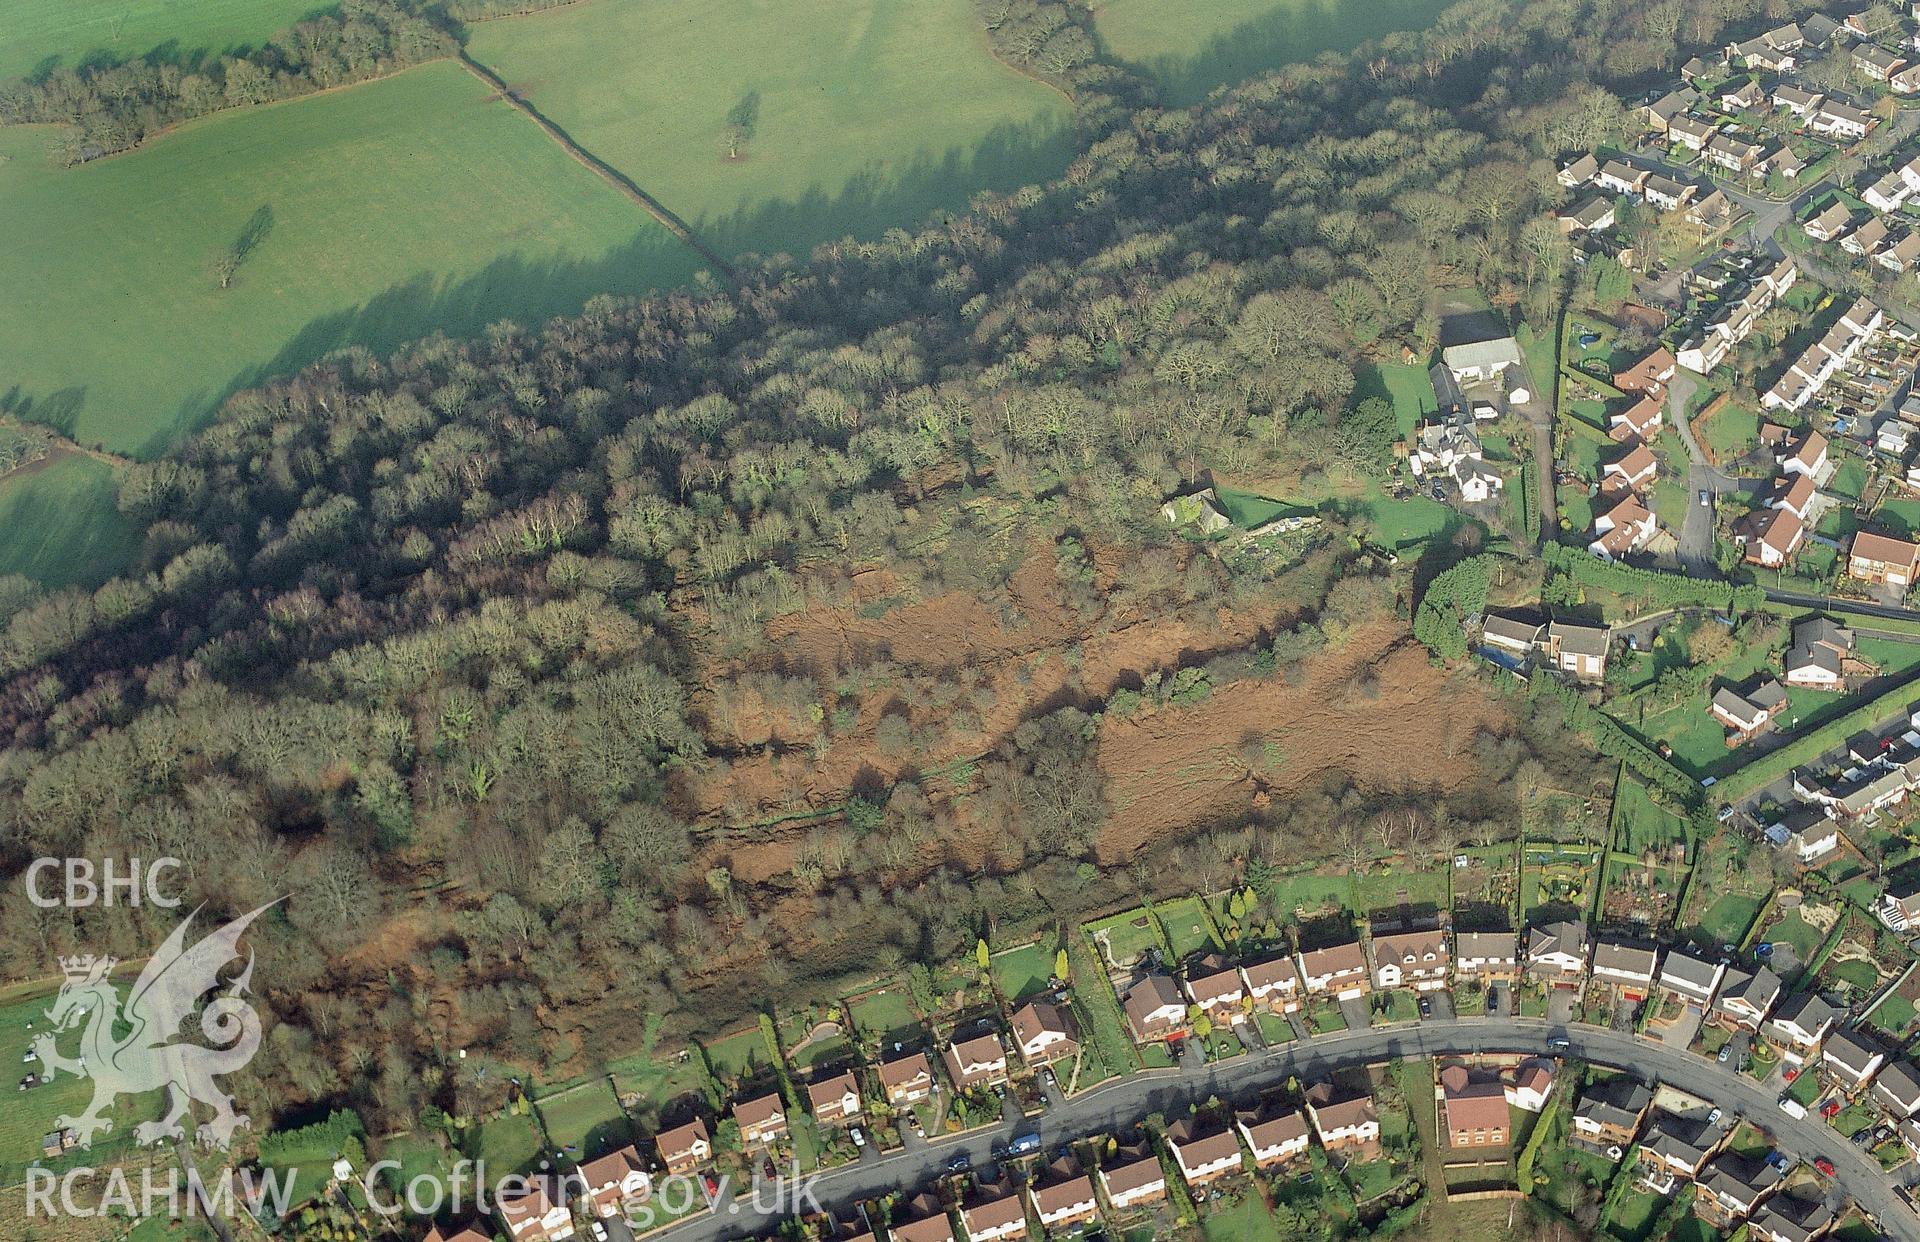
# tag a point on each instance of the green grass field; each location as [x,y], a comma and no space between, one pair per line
[586,1121]
[1245,1221]
[46,34]
[1403,885]
[1192,46]
[1730,431]
[1310,893]
[419,1156]
[510,1142]
[23,1123]
[1187,927]
[1640,823]
[1633,1215]
[1849,480]
[1021,972]
[1728,918]
[653,1085]
[872,114]
[739,1056]
[59,526]
[1893,1015]
[1406,385]
[1796,931]
[1901,517]
[1126,936]
[886,1016]
[1248,510]
[396,208]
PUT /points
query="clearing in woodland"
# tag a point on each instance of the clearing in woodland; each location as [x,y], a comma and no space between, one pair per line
[1253,739]
[1007,661]
[1192,46]
[772,127]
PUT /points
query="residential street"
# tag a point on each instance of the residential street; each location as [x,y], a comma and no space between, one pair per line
[1120,1104]
[1804,599]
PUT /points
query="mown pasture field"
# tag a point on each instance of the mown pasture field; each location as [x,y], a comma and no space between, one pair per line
[871,114]
[1193,46]
[61,34]
[393,208]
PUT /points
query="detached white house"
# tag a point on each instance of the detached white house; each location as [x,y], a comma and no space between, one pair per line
[1415,960]
[1693,979]
[1799,1026]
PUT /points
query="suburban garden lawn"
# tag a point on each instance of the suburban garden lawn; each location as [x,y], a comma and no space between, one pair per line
[49,34]
[1640,823]
[872,114]
[1021,972]
[885,1016]
[59,525]
[397,208]
[585,1120]
[1246,1221]
[1192,46]
[509,1143]
[1729,431]
[1730,916]
[1405,384]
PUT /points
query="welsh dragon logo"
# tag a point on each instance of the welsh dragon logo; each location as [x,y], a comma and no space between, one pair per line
[137,1047]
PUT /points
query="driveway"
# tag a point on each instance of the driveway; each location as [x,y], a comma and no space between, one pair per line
[1121,1103]
[1696,533]
[1560,1004]
[1442,1002]
[1357,1012]
[1679,1034]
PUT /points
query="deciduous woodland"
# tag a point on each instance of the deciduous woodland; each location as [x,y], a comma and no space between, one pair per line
[701,650]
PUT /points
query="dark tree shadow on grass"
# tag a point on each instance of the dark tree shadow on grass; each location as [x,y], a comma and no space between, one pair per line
[528,291]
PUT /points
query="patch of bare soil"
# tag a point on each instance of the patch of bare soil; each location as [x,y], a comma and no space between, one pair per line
[1019,660]
[1375,709]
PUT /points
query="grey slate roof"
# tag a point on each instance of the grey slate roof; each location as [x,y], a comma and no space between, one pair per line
[1739,1179]
[1687,969]
[1806,1010]
[1852,1051]
[1759,989]
[1617,1102]
[1898,1086]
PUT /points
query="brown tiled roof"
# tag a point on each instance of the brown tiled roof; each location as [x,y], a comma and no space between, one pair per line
[610,1168]
[1272,972]
[831,1090]
[758,1111]
[1874,547]
[681,1139]
[995,1213]
[1037,1017]
[1336,959]
[904,1070]
[1063,1195]
[1132,1175]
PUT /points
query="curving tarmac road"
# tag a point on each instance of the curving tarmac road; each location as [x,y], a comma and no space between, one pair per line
[1121,1103]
